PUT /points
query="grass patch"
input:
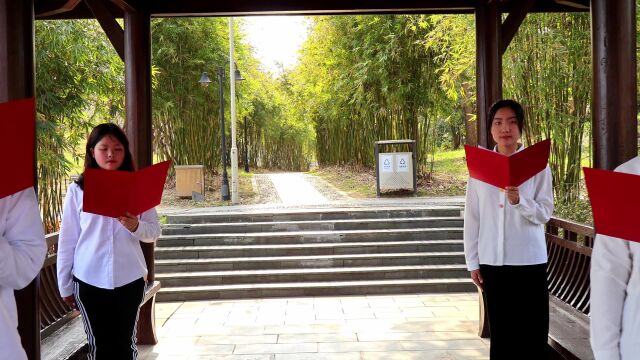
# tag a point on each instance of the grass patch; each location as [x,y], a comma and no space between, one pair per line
[449,178]
[356,181]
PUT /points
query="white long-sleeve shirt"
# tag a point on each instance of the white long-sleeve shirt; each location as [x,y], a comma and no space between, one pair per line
[99,250]
[615,292]
[22,252]
[498,233]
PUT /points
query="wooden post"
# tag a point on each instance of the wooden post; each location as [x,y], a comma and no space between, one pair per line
[17,82]
[488,66]
[137,58]
[614,104]
[489,90]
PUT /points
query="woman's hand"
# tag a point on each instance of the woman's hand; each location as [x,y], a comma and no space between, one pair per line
[129,221]
[477,278]
[513,195]
[71,301]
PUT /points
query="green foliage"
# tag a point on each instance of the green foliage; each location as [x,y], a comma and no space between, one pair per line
[79,83]
[367,78]
[548,69]
[187,126]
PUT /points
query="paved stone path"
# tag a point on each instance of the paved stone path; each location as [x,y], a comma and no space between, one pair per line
[398,327]
[294,189]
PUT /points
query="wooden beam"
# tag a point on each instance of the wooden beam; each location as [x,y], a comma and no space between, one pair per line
[127,5]
[109,24]
[512,23]
[178,8]
[582,5]
[54,7]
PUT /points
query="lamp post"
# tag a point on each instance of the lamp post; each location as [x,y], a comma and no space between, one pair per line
[205,81]
[246,147]
[234,148]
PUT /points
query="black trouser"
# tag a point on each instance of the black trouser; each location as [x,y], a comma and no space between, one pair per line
[110,318]
[518,308]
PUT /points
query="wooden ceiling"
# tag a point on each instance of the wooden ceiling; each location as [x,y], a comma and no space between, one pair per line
[77,9]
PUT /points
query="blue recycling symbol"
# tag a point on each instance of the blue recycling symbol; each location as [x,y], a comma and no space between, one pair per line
[402,162]
[387,162]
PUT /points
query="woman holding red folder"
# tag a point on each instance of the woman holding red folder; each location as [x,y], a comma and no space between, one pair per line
[615,292]
[101,268]
[505,247]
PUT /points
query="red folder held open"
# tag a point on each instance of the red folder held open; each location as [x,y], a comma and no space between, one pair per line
[17,137]
[614,197]
[114,193]
[500,170]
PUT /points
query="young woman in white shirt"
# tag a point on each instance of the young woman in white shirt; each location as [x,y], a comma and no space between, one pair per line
[505,249]
[22,253]
[101,268]
[615,292]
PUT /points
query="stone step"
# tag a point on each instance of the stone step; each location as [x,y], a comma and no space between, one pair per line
[236,251]
[279,226]
[314,261]
[308,237]
[299,289]
[315,214]
[206,278]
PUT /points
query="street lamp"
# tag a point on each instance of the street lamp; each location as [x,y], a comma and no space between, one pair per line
[246,147]
[205,81]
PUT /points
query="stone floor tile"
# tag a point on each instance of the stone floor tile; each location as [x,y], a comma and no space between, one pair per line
[351,346]
[276,348]
[319,356]
[316,338]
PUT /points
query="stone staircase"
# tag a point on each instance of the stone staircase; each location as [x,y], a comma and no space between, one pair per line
[312,252]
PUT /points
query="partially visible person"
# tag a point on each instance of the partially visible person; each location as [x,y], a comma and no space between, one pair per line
[22,252]
[505,249]
[615,292]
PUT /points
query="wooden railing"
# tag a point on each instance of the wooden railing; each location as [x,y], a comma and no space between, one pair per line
[569,246]
[54,313]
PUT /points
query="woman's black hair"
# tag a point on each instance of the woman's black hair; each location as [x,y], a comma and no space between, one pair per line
[94,138]
[511,104]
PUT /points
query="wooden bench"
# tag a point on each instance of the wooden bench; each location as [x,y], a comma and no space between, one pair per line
[61,328]
[569,247]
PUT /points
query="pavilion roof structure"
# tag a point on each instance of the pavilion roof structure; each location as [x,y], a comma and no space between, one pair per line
[77,9]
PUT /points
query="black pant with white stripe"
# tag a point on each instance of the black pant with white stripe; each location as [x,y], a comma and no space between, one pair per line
[110,318]
[518,308]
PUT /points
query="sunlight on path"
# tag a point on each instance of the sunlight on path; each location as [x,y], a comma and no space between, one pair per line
[293,188]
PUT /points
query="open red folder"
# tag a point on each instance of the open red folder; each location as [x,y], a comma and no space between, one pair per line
[500,170]
[17,137]
[614,197]
[114,193]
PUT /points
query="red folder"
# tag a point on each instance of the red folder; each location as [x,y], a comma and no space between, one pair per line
[500,170]
[18,128]
[614,198]
[114,193]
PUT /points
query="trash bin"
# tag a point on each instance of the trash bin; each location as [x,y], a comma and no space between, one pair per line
[396,170]
[189,179]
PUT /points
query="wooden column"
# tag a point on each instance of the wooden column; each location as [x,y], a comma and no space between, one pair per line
[137,52]
[17,75]
[488,66]
[137,58]
[614,82]
[489,90]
